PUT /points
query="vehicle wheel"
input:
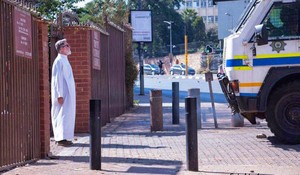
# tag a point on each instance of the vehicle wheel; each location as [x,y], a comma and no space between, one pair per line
[283,112]
[171,72]
[183,72]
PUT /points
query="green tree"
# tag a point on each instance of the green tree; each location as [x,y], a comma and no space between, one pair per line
[199,30]
[98,10]
[195,28]
[50,8]
[188,16]
[212,36]
[162,10]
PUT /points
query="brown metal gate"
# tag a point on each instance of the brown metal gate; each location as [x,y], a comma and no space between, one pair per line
[116,71]
[19,94]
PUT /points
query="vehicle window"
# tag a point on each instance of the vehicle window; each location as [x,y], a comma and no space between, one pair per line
[283,21]
[154,66]
[246,15]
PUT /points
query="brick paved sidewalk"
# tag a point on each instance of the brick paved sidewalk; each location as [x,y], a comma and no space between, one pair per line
[128,147]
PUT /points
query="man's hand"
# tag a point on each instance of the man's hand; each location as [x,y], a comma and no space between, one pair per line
[60,100]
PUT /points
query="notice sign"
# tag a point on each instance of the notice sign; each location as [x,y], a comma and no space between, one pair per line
[96,49]
[23,36]
[141,22]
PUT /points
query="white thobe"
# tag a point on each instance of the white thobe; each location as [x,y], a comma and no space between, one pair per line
[63,85]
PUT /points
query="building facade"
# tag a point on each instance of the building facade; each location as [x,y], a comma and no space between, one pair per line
[229,14]
[205,9]
[224,16]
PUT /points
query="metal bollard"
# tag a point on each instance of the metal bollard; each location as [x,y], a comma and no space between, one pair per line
[156,110]
[175,102]
[195,92]
[237,120]
[95,134]
[191,133]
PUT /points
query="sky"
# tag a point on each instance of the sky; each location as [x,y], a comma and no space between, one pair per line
[82,3]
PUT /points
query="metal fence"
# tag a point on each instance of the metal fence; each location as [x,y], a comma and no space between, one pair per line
[19,93]
[210,61]
[116,71]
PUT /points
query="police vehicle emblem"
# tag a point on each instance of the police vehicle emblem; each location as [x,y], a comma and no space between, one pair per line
[277,46]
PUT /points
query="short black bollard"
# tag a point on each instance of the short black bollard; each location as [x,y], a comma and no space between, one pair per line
[95,134]
[195,92]
[191,133]
[156,110]
[175,102]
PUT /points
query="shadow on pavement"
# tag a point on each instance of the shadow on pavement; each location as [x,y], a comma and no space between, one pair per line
[163,133]
[118,160]
[147,170]
[130,146]
[152,170]
[245,173]
[276,143]
[141,161]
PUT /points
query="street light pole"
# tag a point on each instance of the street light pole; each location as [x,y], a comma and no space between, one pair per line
[141,57]
[229,15]
[170,27]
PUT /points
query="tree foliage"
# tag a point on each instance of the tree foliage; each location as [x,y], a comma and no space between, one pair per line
[162,10]
[194,26]
[50,8]
[212,36]
[98,10]
[118,12]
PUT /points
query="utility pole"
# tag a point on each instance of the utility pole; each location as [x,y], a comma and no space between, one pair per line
[186,52]
[170,27]
[171,45]
[140,45]
[231,16]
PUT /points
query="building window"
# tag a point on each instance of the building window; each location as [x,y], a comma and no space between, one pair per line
[182,5]
[196,3]
[189,4]
[204,19]
[216,19]
[210,19]
[210,3]
[203,3]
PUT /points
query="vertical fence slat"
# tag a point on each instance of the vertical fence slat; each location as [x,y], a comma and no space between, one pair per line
[19,95]
[1,84]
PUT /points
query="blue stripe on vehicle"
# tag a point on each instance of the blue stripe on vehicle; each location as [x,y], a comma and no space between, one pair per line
[276,61]
[233,63]
[248,94]
[264,61]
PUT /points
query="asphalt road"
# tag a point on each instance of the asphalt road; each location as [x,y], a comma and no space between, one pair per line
[164,82]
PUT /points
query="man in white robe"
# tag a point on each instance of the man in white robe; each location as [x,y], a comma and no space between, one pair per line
[63,96]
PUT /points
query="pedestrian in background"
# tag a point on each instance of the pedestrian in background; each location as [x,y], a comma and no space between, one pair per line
[63,96]
[160,65]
